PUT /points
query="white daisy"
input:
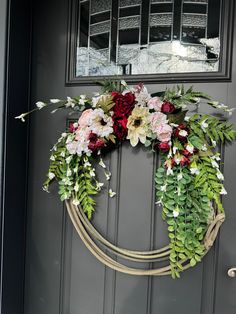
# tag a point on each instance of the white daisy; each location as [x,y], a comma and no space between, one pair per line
[100,123]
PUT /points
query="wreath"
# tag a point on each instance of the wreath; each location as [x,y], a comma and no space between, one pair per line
[189,181]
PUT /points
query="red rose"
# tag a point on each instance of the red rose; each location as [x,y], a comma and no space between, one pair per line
[124,104]
[120,127]
[164,147]
[95,143]
[167,107]
[184,161]
[182,132]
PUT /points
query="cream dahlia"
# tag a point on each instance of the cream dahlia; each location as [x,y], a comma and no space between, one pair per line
[100,123]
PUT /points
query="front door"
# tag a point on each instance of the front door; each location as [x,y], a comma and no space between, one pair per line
[62,277]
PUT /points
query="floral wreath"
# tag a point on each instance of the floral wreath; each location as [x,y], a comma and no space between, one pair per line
[188,182]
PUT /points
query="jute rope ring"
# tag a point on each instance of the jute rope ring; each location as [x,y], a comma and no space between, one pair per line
[90,237]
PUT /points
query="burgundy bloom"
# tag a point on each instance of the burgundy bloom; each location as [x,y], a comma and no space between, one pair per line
[186,153]
[167,107]
[124,104]
[120,127]
[182,132]
[184,161]
[95,143]
[72,128]
[164,147]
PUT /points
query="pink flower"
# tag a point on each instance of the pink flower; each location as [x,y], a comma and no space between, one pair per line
[157,119]
[84,118]
[82,134]
[155,103]
[164,133]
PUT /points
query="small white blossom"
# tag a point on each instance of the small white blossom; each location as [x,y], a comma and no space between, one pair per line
[175,149]
[223,191]
[123,82]
[179,176]
[76,187]
[82,100]
[21,117]
[190,148]
[70,102]
[52,158]
[175,213]
[214,164]
[213,143]
[40,105]
[186,118]
[68,159]
[159,203]
[163,188]
[54,101]
[108,175]
[216,157]
[101,163]
[51,175]
[69,172]
[111,193]
[64,134]
[92,172]
[76,202]
[204,148]
[169,171]
[63,154]
[87,164]
[183,133]
[194,170]
[204,125]
[99,186]
[220,175]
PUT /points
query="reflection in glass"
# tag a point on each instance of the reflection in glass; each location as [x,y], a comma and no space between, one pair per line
[147,37]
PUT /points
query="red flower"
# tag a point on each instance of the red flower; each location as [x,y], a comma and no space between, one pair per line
[184,161]
[164,147]
[120,127]
[95,143]
[124,104]
[72,128]
[182,132]
[167,107]
[186,153]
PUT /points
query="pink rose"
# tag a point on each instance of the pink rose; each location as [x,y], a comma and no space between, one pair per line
[82,134]
[84,118]
[155,103]
[164,133]
[157,119]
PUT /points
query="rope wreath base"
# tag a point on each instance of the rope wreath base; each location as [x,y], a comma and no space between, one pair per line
[90,237]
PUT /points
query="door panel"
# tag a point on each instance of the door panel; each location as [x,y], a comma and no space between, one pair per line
[61,275]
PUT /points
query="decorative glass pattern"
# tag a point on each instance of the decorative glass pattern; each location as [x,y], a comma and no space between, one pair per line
[100,5]
[100,28]
[126,3]
[129,22]
[156,38]
[160,19]
[198,20]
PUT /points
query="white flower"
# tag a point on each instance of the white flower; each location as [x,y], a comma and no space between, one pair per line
[213,143]
[52,158]
[108,175]
[183,133]
[99,186]
[64,134]
[204,125]
[123,82]
[190,148]
[76,187]
[186,118]
[175,149]
[111,193]
[179,176]
[69,172]
[223,191]
[194,170]
[82,100]
[70,102]
[68,159]
[92,172]
[214,163]
[163,188]
[204,148]
[51,175]
[76,202]
[21,117]
[169,171]
[40,104]
[175,213]
[220,175]
[100,123]
[95,100]
[63,154]
[54,101]
[87,164]
[216,157]
[101,163]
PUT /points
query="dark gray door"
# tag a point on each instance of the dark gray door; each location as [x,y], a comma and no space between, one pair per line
[61,275]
